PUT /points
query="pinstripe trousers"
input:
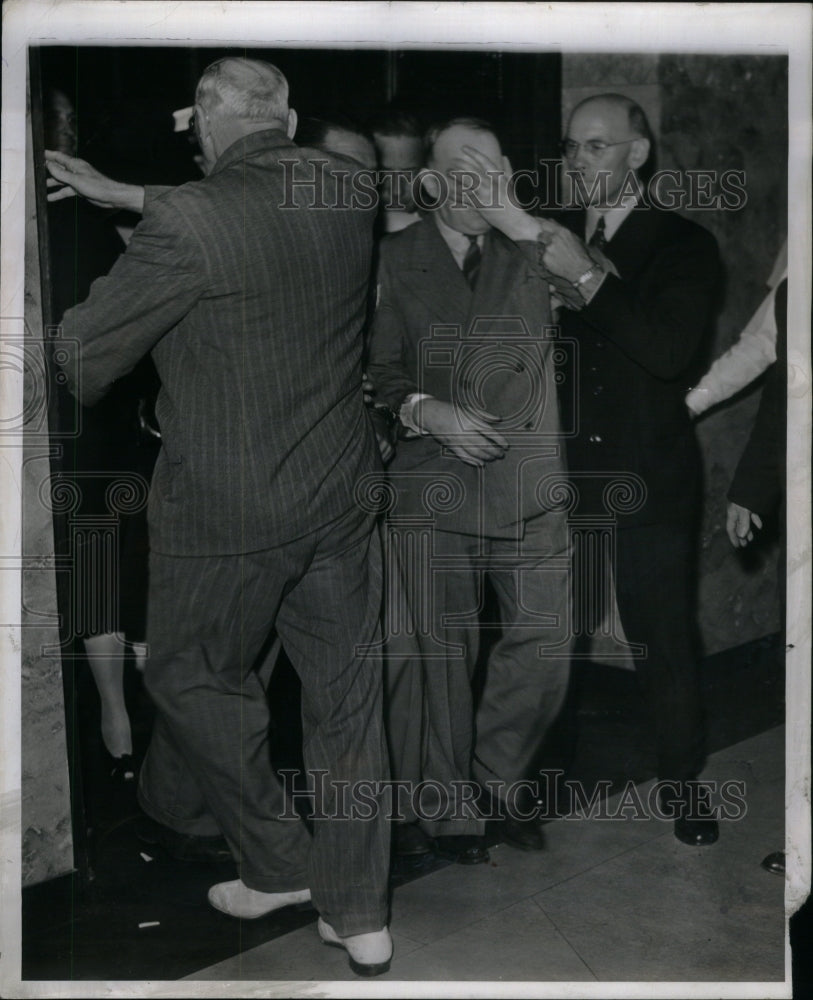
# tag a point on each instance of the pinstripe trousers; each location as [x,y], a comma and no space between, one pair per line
[208,770]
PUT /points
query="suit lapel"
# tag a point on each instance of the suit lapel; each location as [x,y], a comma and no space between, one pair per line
[631,245]
[498,276]
[434,278]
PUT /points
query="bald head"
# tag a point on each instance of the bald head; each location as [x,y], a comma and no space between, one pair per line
[235,97]
[608,141]
[619,107]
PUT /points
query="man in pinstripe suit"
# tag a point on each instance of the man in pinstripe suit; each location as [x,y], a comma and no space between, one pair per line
[253,314]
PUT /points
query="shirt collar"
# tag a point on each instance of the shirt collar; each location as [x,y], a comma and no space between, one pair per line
[613,217]
[456,241]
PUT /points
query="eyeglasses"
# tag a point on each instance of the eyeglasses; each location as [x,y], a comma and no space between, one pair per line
[595,147]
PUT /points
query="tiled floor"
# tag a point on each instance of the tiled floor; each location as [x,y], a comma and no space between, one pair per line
[609,901]
[611,907]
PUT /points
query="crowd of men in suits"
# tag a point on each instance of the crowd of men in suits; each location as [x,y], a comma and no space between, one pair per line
[488,435]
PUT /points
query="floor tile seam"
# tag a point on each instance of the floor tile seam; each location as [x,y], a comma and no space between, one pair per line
[611,857]
[566,939]
[598,864]
[412,940]
[649,840]
[474,922]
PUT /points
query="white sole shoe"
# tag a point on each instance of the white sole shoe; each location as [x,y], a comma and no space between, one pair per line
[237,900]
[370,954]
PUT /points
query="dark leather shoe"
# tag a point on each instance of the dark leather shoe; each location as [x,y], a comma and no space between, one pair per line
[697,832]
[409,840]
[182,846]
[517,823]
[695,819]
[465,848]
[775,863]
[525,834]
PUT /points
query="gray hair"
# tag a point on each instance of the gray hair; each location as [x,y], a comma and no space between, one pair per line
[248,89]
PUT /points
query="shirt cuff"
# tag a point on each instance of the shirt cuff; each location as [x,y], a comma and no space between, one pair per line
[589,289]
[591,286]
[407,412]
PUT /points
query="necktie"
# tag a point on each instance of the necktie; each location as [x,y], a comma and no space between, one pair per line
[598,239]
[471,262]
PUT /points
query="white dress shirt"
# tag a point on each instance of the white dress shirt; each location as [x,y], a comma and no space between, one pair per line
[613,217]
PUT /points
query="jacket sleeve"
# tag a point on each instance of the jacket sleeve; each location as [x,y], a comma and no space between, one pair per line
[153,191]
[759,480]
[659,319]
[150,288]
[386,366]
[741,363]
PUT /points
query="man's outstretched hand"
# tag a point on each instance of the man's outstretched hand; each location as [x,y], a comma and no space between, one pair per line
[79,177]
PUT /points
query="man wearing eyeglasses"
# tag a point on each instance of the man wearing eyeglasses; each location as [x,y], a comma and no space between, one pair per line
[647,279]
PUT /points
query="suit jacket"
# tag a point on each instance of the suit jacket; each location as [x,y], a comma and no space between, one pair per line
[489,349]
[254,317]
[759,480]
[637,341]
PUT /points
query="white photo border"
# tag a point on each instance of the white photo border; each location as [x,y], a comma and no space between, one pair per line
[724,29]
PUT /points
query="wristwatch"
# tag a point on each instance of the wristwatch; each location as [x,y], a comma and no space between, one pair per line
[588,274]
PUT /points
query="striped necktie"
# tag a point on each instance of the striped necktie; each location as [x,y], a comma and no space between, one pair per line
[598,239]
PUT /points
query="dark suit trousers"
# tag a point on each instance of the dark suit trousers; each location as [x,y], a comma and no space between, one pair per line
[208,770]
[433,731]
[654,593]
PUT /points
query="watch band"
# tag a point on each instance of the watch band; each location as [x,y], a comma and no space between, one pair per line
[584,278]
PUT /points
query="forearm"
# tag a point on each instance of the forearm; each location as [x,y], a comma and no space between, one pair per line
[386,366]
[392,383]
[740,364]
[149,290]
[129,198]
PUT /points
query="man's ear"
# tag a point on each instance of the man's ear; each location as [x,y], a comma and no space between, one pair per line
[638,154]
[293,120]
[201,123]
[206,141]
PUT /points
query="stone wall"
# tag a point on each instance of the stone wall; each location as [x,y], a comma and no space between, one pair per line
[47,841]
[717,113]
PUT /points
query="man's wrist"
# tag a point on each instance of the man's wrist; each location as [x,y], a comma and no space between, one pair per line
[131,198]
[523,227]
[585,276]
[589,281]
